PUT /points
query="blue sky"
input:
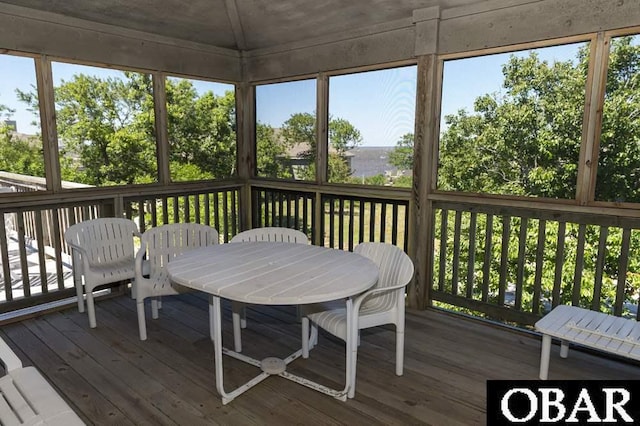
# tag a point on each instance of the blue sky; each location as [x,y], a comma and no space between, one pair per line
[381,104]
[466,79]
[19,73]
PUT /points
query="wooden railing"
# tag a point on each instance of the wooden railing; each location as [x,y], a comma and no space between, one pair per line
[35,262]
[215,207]
[344,219]
[285,208]
[516,264]
[507,263]
[349,220]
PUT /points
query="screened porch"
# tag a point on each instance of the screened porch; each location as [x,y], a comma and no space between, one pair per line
[495,142]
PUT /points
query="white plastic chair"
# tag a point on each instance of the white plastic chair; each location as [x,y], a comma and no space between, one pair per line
[269,234]
[26,398]
[102,253]
[382,304]
[159,246]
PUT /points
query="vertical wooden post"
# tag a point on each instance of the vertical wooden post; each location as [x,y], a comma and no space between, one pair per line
[161,127]
[424,178]
[47,105]
[322,150]
[592,121]
[246,140]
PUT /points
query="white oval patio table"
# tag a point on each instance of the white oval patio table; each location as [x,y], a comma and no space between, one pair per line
[268,273]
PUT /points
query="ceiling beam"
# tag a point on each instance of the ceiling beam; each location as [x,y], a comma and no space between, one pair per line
[236,24]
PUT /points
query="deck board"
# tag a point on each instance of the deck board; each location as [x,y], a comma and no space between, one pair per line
[110,377]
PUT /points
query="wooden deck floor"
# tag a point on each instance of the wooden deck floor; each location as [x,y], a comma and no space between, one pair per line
[110,377]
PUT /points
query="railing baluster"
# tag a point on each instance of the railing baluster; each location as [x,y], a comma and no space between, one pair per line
[234,215]
[557,280]
[141,224]
[383,222]
[256,208]
[623,264]
[298,203]
[331,223]
[274,208]
[4,255]
[154,212]
[361,211]
[351,220]
[58,249]
[488,248]
[207,208]
[504,260]
[305,213]
[281,217]
[394,224]
[165,210]
[444,218]
[522,245]
[471,259]
[577,277]
[340,223]
[41,254]
[406,227]
[225,209]
[537,282]
[265,215]
[455,264]
[216,210]
[597,284]
[196,207]
[187,208]
[176,209]
[372,221]
[22,249]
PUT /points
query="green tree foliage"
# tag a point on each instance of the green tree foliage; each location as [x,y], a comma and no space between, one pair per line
[19,154]
[6,112]
[107,134]
[343,136]
[270,153]
[525,141]
[402,155]
[105,128]
[22,155]
[619,161]
[299,131]
[201,131]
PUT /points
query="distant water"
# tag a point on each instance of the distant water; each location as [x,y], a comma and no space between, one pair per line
[371,160]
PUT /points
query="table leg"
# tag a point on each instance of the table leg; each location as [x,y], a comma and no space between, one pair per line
[216,323]
[545,353]
[267,364]
[564,349]
[352,349]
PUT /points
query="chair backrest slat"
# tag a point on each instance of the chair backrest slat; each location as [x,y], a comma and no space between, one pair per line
[271,234]
[394,268]
[165,242]
[105,240]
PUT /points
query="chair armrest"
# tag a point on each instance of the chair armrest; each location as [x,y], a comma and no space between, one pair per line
[8,358]
[83,256]
[357,301]
[77,247]
[139,261]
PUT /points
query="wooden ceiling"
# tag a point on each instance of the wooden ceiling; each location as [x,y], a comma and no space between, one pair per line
[245,24]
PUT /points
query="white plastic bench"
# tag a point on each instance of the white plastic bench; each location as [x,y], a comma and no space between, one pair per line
[571,324]
[26,398]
